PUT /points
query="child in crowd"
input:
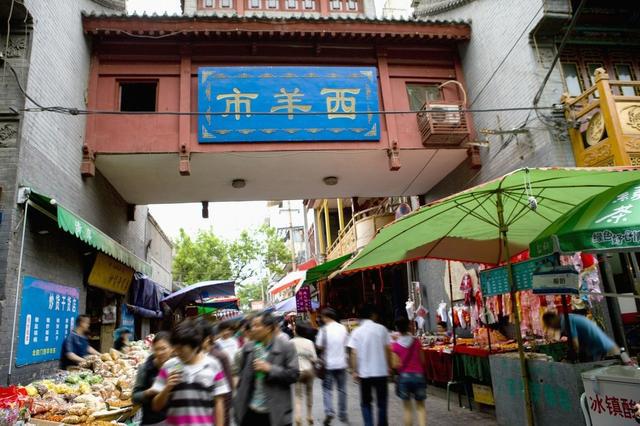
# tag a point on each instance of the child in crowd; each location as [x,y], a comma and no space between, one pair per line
[193,382]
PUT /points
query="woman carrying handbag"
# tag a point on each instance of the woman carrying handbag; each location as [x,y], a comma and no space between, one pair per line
[407,360]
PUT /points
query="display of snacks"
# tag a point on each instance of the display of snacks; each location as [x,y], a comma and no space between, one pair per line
[95,393]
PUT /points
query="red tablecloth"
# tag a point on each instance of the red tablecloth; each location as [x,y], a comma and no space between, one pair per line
[439,366]
[469,350]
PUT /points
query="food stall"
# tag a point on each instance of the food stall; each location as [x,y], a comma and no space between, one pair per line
[95,393]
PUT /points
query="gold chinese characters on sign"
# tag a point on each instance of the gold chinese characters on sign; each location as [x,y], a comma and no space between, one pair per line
[109,274]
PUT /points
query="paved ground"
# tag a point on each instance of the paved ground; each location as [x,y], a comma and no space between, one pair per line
[437,413]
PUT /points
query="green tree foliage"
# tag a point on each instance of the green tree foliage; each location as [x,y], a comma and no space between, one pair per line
[250,260]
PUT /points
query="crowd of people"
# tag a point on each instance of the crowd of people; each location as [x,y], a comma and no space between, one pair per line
[261,371]
[245,371]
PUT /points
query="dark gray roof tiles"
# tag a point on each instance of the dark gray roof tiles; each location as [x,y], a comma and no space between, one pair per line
[285,16]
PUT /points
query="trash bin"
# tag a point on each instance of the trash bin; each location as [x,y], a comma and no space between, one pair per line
[611,394]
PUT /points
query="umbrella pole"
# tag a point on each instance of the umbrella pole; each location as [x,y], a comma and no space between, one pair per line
[514,306]
[453,322]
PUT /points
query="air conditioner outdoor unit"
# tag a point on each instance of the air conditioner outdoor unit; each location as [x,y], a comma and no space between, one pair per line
[445,114]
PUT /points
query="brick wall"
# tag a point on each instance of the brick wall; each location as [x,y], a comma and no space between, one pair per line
[49,161]
[495,26]
[513,85]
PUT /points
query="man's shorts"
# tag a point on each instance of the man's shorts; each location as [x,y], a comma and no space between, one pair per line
[411,384]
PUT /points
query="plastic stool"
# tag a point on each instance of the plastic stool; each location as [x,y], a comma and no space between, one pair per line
[466,391]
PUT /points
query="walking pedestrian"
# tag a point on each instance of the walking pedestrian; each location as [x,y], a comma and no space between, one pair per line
[332,339]
[192,381]
[211,347]
[268,368]
[306,359]
[410,368]
[226,340]
[161,352]
[369,345]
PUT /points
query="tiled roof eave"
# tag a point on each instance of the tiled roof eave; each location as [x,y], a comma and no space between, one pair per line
[109,24]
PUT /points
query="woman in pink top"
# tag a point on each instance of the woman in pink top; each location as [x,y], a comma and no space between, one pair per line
[411,381]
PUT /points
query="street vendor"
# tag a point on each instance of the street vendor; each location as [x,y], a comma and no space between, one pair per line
[590,342]
[76,345]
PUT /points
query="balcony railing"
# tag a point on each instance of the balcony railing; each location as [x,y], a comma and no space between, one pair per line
[443,124]
[360,230]
[605,123]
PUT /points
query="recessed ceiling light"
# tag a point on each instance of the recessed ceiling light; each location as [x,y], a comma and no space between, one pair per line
[43,232]
[238,183]
[330,180]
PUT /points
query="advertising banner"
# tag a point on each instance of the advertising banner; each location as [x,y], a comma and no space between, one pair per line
[47,316]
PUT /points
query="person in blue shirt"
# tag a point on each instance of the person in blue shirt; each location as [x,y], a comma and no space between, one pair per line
[76,345]
[589,341]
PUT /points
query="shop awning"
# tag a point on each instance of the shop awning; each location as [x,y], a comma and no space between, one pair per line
[324,270]
[200,291]
[290,280]
[83,230]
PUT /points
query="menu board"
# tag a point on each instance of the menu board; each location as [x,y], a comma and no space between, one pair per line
[47,316]
[496,281]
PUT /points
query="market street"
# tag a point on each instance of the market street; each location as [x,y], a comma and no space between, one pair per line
[437,414]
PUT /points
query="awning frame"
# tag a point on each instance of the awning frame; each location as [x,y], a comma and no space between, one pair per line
[58,213]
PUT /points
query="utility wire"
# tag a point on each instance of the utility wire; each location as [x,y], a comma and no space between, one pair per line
[78,111]
[495,71]
[563,41]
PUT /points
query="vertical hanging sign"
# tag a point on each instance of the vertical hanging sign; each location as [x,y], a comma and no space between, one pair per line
[46,319]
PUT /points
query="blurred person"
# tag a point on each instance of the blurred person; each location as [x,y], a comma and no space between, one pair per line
[410,368]
[161,352]
[76,345]
[332,340]
[191,385]
[370,355]
[123,340]
[210,346]
[268,368]
[306,359]
[589,341]
[226,340]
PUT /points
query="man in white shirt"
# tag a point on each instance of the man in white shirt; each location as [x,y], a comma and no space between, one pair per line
[370,356]
[332,339]
[227,342]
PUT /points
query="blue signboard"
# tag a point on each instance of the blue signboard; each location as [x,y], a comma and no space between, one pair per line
[47,315]
[267,104]
[127,320]
[496,281]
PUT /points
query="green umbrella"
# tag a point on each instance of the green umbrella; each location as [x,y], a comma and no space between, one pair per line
[608,221]
[489,223]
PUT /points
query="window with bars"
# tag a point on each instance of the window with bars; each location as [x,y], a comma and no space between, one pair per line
[352,5]
[272,4]
[309,4]
[254,4]
[208,3]
[572,78]
[336,5]
[624,72]
[419,94]
[292,4]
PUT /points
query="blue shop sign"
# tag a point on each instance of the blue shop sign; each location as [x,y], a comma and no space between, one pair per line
[267,104]
[47,316]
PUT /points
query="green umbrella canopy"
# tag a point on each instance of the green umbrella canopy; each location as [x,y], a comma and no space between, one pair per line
[607,221]
[465,226]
